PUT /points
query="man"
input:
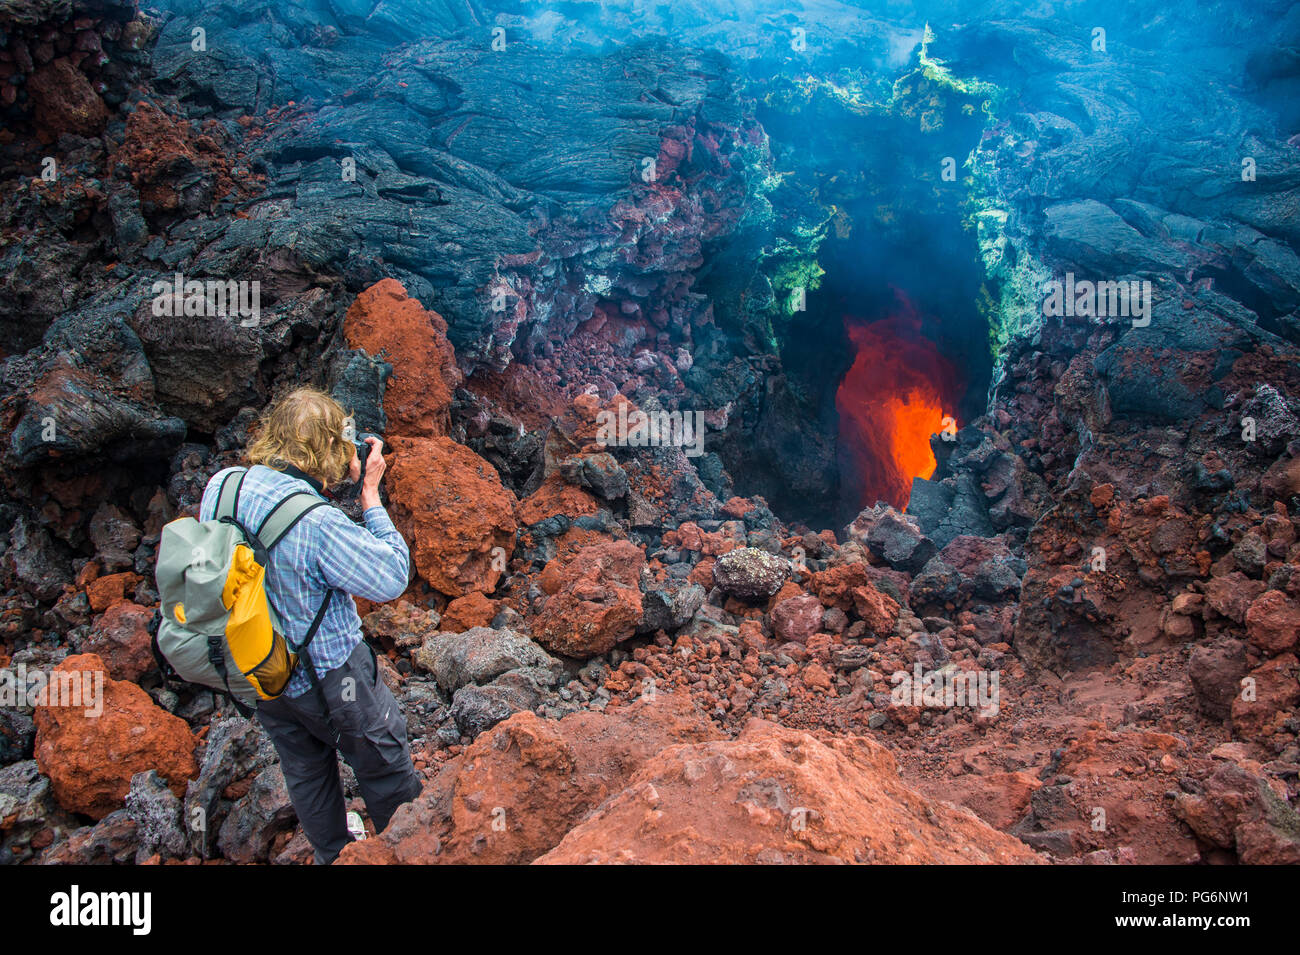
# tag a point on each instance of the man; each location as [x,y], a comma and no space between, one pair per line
[304,444]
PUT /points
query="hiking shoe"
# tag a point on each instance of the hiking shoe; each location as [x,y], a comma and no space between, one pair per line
[356,826]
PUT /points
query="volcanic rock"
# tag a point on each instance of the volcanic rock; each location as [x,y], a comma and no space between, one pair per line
[750,574]
[477,656]
[28,809]
[1273,695]
[599,472]
[796,619]
[476,709]
[669,605]
[1234,809]
[1216,669]
[64,100]
[457,518]
[253,823]
[120,637]
[111,841]
[516,791]
[892,537]
[594,599]
[766,797]
[465,613]
[1273,622]
[235,750]
[385,321]
[90,759]
[156,812]
[877,610]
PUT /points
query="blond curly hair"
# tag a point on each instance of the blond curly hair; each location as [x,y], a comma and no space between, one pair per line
[307,429]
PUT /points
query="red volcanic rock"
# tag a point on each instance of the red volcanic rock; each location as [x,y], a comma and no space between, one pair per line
[162,150]
[556,496]
[815,677]
[64,101]
[534,778]
[1232,594]
[737,507]
[91,755]
[1273,622]
[1215,669]
[835,585]
[879,611]
[750,574]
[1276,692]
[103,592]
[1234,809]
[121,638]
[595,599]
[779,795]
[458,519]
[466,613]
[418,396]
[689,536]
[796,619]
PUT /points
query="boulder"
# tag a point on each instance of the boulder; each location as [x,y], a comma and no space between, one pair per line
[1273,622]
[670,605]
[120,637]
[111,841]
[236,749]
[778,795]
[1237,810]
[516,791]
[877,610]
[385,320]
[1275,690]
[115,537]
[253,823]
[478,655]
[892,537]
[599,472]
[1232,594]
[467,612]
[750,573]
[64,101]
[795,619]
[156,811]
[594,599]
[1215,669]
[456,516]
[91,756]
[478,708]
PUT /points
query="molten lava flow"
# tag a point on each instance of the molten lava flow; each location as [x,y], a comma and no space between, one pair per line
[890,403]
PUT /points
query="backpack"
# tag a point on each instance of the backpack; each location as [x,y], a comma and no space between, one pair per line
[216,624]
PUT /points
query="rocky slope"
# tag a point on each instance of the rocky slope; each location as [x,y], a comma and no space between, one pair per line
[620,653]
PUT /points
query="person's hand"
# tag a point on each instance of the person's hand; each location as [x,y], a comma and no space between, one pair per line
[375,467]
[354,467]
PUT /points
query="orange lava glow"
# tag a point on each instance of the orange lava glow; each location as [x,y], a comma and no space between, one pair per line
[890,403]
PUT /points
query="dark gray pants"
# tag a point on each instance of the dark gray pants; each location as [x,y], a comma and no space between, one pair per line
[373,741]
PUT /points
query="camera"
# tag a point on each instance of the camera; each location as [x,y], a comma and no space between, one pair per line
[363,450]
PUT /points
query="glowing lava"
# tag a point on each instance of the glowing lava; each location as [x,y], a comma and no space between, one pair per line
[890,403]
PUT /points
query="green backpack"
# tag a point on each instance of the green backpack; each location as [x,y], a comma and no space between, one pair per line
[217,626]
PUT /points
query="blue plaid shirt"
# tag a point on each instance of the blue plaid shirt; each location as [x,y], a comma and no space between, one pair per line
[326,549]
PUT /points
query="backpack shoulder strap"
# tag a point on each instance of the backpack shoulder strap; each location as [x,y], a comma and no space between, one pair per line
[228,495]
[285,516]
